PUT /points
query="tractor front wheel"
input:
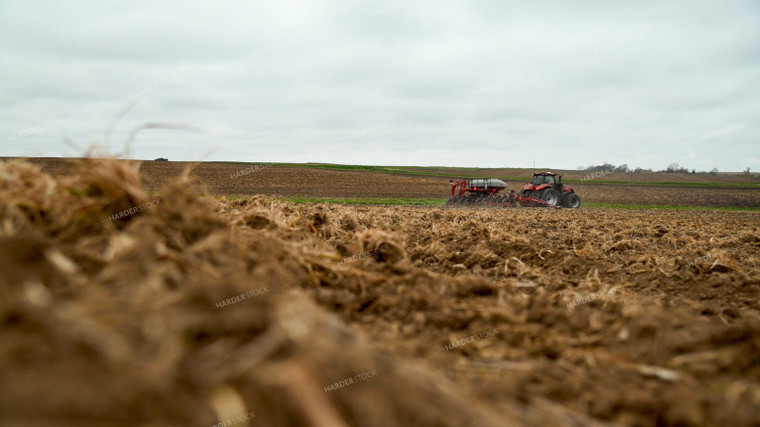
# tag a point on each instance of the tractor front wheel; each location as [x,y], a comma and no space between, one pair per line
[572,200]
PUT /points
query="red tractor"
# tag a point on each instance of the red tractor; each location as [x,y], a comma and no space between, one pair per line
[548,186]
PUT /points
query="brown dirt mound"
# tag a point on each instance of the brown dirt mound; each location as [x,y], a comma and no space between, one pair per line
[122,308]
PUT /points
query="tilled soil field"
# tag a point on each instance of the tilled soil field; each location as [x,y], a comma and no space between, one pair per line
[241,180]
[122,308]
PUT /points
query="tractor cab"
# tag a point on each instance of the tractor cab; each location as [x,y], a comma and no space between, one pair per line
[543,178]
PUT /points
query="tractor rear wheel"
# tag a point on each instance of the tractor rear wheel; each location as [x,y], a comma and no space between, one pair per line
[571,200]
[550,196]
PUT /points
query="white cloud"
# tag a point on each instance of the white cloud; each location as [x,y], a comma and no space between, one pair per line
[565,83]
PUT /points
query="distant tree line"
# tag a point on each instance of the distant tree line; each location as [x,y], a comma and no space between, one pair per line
[609,167]
[672,168]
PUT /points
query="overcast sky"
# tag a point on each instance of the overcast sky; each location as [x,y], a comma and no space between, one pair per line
[451,83]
